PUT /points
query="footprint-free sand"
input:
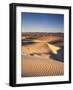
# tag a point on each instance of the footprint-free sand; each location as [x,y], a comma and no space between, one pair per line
[40,66]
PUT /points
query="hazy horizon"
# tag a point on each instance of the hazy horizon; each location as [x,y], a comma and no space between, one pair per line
[40,32]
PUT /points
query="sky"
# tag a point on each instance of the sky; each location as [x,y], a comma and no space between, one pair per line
[42,22]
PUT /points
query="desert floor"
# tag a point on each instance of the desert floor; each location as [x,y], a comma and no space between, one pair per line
[40,66]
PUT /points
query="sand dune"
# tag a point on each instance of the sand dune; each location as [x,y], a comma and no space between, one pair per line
[40,48]
[49,38]
[35,48]
[37,58]
[40,66]
[43,36]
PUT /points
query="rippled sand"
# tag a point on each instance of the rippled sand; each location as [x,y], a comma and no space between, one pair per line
[40,66]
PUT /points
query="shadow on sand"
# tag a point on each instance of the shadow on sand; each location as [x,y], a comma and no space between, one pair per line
[59,56]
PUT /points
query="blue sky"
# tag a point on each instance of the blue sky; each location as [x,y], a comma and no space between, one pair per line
[42,22]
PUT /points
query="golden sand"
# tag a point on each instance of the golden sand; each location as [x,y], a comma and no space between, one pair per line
[40,66]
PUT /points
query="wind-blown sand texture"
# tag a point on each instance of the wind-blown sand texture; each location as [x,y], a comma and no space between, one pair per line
[40,66]
[41,54]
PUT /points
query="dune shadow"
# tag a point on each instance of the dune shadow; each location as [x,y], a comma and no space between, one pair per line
[59,56]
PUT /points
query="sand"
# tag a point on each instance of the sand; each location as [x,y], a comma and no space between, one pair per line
[37,58]
[40,66]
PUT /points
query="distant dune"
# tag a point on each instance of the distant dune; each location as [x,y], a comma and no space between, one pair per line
[43,36]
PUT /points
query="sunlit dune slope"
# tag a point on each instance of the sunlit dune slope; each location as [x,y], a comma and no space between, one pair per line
[40,66]
[40,48]
[35,48]
[49,38]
